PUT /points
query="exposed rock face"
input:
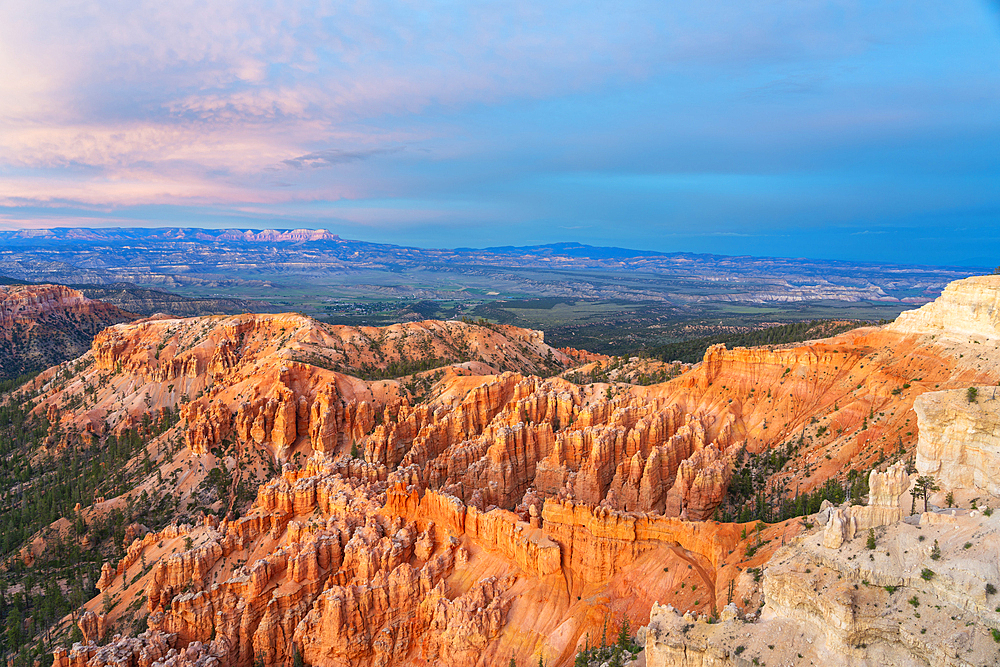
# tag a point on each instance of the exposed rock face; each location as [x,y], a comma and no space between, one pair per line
[360,567]
[31,302]
[883,509]
[488,440]
[493,512]
[93,626]
[148,649]
[41,325]
[959,441]
[842,527]
[966,308]
[855,606]
[885,488]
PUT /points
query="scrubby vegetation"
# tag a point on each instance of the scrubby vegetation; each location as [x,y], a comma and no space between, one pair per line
[617,654]
[40,485]
[752,497]
[693,350]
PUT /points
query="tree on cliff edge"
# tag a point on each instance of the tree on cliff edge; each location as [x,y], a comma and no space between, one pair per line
[924,486]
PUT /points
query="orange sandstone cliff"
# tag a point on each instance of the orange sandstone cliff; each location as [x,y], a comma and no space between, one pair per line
[465,513]
[41,325]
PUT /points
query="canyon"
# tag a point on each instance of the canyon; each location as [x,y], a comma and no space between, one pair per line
[41,325]
[441,492]
[921,589]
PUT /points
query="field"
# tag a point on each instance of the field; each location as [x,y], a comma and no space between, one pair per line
[609,300]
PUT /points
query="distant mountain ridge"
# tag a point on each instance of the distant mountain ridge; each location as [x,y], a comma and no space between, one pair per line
[73,234]
[567,249]
[262,263]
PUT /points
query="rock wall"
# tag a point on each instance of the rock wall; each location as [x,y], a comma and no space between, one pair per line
[966,308]
[885,488]
[30,303]
[893,606]
[43,325]
[599,542]
[959,442]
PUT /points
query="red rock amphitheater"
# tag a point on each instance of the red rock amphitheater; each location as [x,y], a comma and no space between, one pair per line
[468,514]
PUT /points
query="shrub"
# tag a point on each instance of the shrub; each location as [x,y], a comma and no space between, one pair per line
[990,589]
[915,601]
[871,538]
[996,635]
[935,551]
[927,574]
[971,393]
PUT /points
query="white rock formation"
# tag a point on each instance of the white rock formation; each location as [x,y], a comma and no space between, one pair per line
[857,607]
[959,441]
[884,490]
[966,308]
[841,528]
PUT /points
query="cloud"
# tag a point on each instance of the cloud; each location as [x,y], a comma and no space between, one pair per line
[332,156]
[809,111]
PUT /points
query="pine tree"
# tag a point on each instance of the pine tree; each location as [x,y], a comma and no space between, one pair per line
[623,636]
[924,486]
[14,630]
[604,636]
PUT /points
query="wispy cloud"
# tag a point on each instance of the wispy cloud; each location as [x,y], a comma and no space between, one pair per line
[484,112]
[332,156]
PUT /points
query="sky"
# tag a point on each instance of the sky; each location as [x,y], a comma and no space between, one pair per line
[864,130]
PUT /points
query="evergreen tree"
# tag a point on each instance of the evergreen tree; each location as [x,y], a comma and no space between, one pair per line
[925,485]
[623,636]
[15,623]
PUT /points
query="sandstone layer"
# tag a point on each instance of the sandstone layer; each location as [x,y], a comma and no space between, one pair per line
[959,440]
[895,605]
[41,325]
[467,509]
[967,308]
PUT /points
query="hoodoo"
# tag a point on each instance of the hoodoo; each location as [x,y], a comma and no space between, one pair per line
[440,493]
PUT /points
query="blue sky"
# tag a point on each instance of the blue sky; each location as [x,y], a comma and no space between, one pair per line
[859,130]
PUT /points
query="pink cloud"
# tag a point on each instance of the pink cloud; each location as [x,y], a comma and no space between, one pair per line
[129,102]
